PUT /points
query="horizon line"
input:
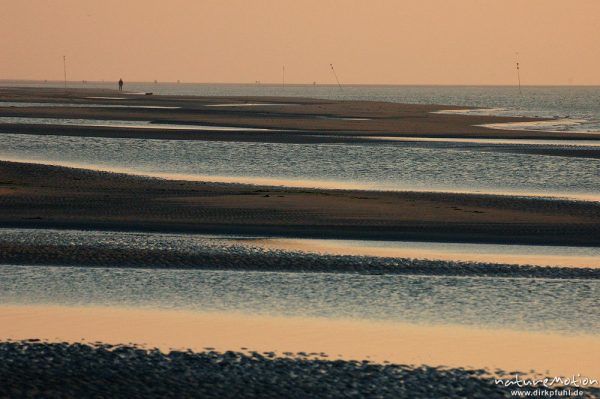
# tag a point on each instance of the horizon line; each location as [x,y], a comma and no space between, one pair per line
[275,84]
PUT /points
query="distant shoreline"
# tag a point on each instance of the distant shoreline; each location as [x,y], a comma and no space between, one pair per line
[313,120]
[276,84]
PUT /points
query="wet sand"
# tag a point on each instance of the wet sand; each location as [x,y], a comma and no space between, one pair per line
[408,251]
[157,251]
[309,120]
[346,339]
[309,137]
[84,351]
[57,197]
[90,255]
[30,368]
[41,196]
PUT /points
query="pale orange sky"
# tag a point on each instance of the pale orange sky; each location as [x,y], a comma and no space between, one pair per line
[371,42]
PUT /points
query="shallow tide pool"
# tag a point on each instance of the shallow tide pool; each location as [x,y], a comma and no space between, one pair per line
[363,166]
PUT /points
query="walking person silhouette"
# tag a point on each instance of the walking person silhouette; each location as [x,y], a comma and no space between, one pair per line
[120,84]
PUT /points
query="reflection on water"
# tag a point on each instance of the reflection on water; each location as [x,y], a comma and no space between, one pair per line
[487,253]
[81,105]
[340,118]
[556,125]
[523,303]
[577,102]
[347,339]
[307,183]
[375,166]
[249,104]
[475,111]
[519,303]
[428,252]
[106,98]
[117,124]
[522,142]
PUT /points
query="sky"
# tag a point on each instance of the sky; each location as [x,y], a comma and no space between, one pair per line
[472,42]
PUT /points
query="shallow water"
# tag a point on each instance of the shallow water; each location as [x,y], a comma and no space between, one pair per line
[121,124]
[80,105]
[511,142]
[576,102]
[557,125]
[549,305]
[563,305]
[536,255]
[249,105]
[351,339]
[365,166]
[545,305]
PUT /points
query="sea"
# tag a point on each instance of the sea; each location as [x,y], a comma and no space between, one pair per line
[575,102]
[519,303]
[448,166]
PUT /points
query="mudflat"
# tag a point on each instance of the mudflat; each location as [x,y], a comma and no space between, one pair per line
[45,196]
[292,119]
